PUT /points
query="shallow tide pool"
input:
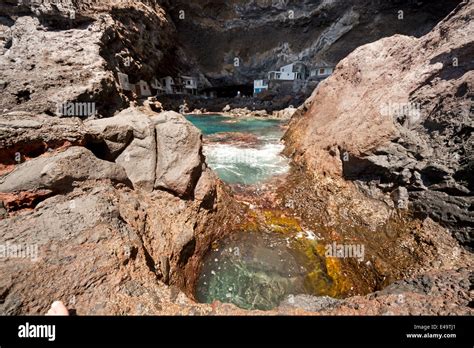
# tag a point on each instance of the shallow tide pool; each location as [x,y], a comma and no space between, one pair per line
[255,268]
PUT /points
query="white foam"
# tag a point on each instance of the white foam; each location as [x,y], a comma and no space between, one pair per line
[265,160]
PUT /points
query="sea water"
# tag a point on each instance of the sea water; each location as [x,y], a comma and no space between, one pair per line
[237,161]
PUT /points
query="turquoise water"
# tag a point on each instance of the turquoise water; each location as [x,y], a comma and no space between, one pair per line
[253,271]
[212,124]
[242,150]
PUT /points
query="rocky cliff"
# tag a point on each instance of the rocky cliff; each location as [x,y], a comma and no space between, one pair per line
[58,52]
[113,213]
[264,35]
[125,206]
[396,119]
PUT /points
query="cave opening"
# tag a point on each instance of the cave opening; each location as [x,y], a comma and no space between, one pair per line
[230,91]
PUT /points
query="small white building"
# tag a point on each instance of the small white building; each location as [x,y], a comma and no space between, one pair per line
[290,72]
[167,84]
[124,82]
[143,89]
[156,85]
[190,84]
[322,71]
[259,86]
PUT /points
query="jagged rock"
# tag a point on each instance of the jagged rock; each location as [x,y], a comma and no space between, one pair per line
[83,253]
[53,58]
[399,112]
[110,135]
[400,197]
[285,114]
[26,135]
[131,136]
[439,293]
[70,52]
[3,211]
[205,190]
[314,31]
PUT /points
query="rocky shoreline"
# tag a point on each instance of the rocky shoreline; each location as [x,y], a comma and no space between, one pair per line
[284,114]
[115,212]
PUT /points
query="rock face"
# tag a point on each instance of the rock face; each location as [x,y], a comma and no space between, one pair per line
[57,53]
[290,30]
[114,215]
[123,206]
[396,118]
[60,171]
[179,147]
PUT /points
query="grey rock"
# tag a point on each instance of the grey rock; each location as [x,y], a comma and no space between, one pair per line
[158,150]
[3,211]
[179,149]
[60,171]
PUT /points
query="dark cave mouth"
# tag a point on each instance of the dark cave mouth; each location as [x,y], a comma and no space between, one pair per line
[229,91]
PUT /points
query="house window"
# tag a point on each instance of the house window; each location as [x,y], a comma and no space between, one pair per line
[321,71]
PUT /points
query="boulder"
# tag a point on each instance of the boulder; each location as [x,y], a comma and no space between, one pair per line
[285,114]
[129,140]
[158,151]
[179,153]
[59,171]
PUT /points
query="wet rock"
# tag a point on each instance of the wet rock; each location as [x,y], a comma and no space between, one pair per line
[285,114]
[439,293]
[310,303]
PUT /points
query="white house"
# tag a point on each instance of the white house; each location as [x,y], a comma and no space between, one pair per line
[158,86]
[143,89]
[190,84]
[259,86]
[124,82]
[290,72]
[323,71]
[167,83]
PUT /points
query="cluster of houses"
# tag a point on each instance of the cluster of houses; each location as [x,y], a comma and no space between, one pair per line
[187,85]
[292,77]
[295,74]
